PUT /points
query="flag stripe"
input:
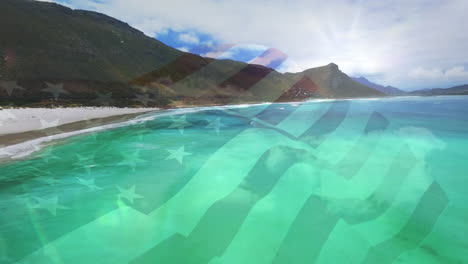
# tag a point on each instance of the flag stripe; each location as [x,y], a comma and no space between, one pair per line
[421,223]
[221,222]
[312,226]
[358,155]
[328,123]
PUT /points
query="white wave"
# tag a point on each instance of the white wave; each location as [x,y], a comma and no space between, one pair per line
[24,149]
[27,148]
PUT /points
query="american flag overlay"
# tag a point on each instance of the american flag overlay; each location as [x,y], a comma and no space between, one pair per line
[323,182]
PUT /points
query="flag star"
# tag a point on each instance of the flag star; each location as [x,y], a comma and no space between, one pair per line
[129,194]
[55,89]
[84,159]
[88,183]
[4,115]
[104,98]
[38,170]
[47,179]
[141,134]
[132,160]
[9,86]
[47,155]
[165,80]
[140,88]
[93,122]
[86,162]
[3,152]
[216,124]
[6,259]
[180,123]
[143,98]
[178,154]
[50,205]
[47,124]
[155,92]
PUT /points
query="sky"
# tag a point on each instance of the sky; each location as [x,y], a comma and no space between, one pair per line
[409,44]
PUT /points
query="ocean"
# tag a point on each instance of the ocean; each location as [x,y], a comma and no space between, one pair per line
[331,181]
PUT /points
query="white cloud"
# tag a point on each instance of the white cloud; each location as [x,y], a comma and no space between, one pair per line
[426,74]
[184,49]
[189,38]
[289,66]
[384,38]
[207,43]
[216,54]
[230,51]
[458,73]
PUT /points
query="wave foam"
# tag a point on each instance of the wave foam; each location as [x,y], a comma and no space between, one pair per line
[27,148]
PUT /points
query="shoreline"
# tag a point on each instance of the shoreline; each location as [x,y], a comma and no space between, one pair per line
[21,137]
[16,146]
[19,120]
[43,128]
[18,126]
[38,138]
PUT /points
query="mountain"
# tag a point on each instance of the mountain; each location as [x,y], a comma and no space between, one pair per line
[191,78]
[457,90]
[390,90]
[48,40]
[333,83]
[53,55]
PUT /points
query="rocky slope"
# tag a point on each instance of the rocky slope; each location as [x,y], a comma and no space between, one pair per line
[56,55]
[47,40]
[456,90]
[390,90]
[190,79]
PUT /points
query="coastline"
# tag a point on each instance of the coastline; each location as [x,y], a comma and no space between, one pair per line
[20,137]
[19,120]
[21,125]
[28,140]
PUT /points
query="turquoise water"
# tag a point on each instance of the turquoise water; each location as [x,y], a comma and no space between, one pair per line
[358,181]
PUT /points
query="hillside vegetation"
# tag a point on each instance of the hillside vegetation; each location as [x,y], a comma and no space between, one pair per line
[53,55]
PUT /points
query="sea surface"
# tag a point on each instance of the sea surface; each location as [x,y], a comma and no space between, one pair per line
[337,181]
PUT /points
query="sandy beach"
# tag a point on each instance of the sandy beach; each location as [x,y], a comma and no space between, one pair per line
[23,124]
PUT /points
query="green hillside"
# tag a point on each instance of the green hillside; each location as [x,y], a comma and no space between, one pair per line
[52,41]
[53,55]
